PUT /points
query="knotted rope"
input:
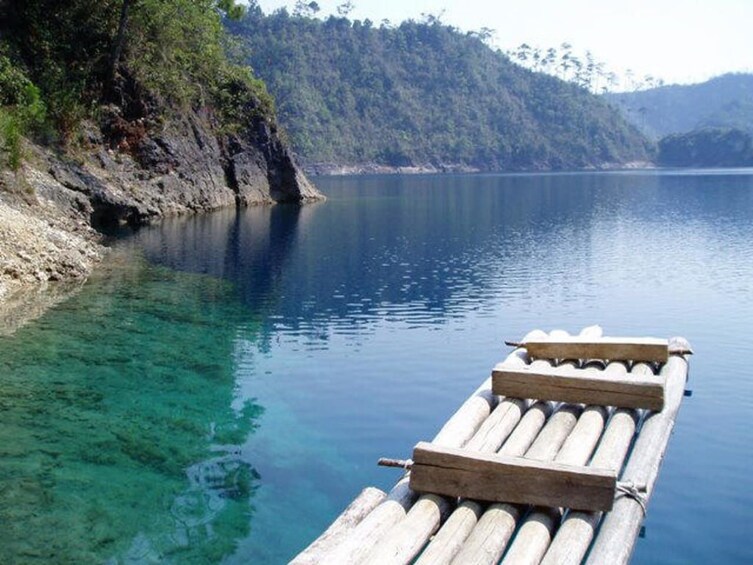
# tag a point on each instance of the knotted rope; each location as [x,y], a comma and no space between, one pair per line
[636,492]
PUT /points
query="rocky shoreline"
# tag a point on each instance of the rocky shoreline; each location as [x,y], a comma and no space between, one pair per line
[54,210]
[339,169]
[40,243]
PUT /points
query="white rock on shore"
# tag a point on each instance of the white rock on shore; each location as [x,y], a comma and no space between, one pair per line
[39,244]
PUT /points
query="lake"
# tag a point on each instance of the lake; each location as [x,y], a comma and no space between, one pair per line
[222,388]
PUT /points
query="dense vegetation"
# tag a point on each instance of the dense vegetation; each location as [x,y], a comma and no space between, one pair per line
[722,102]
[349,92]
[708,147]
[21,111]
[61,61]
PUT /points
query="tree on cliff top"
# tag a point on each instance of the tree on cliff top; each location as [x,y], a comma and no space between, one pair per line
[227,7]
[174,49]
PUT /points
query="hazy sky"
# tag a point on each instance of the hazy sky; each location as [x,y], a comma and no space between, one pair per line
[677,40]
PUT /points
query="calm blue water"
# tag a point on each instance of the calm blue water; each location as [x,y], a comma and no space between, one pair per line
[224,387]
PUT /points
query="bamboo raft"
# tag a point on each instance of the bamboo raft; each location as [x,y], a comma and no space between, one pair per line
[553,459]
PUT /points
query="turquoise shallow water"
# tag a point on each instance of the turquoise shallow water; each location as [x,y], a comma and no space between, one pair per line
[118,437]
[223,388]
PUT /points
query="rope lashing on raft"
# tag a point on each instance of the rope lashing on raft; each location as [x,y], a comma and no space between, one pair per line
[630,490]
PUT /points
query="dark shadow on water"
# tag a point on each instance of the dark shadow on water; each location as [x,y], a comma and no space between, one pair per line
[419,246]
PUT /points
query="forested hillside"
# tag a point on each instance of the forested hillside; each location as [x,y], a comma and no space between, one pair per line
[722,102]
[61,61]
[707,147]
[425,94]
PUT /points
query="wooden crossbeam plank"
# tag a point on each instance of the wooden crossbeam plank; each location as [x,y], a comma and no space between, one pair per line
[501,478]
[567,384]
[648,349]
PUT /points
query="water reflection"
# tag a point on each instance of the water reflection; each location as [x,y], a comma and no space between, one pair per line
[424,250]
[226,399]
[27,304]
[377,311]
[405,252]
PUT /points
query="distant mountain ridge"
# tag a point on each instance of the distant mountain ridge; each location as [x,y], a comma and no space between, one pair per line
[722,102]
[425,96]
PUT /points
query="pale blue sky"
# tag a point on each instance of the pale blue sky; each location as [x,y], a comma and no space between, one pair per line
[677,40]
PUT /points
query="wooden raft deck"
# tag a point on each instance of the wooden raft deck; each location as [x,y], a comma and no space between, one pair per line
[608,416]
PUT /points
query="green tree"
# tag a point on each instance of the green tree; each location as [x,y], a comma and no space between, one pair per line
[305,9]
[22,111]
[423,93]
[81,54]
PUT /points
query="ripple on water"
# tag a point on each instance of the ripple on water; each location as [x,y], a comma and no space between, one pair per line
[164,416]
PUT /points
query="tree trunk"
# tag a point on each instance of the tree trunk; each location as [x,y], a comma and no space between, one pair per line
[117,50]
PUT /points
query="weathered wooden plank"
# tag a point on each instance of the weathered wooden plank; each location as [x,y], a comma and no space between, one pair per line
[500,478]
[527,430]
[619,529]
[487,540]
[613,348]
[535,534]
[532,537]
[575,534]
[498,426]
[361,506]
[360,539]
[407,535]
[554,433]
[567,384]
[450,537]
[463,521]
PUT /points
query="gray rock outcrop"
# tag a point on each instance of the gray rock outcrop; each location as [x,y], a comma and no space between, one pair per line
[134,169]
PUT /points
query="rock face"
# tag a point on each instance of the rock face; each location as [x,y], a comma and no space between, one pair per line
[137,172]
[41,242]
[133,169]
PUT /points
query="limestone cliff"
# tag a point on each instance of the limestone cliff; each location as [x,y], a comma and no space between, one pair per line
[134,167]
